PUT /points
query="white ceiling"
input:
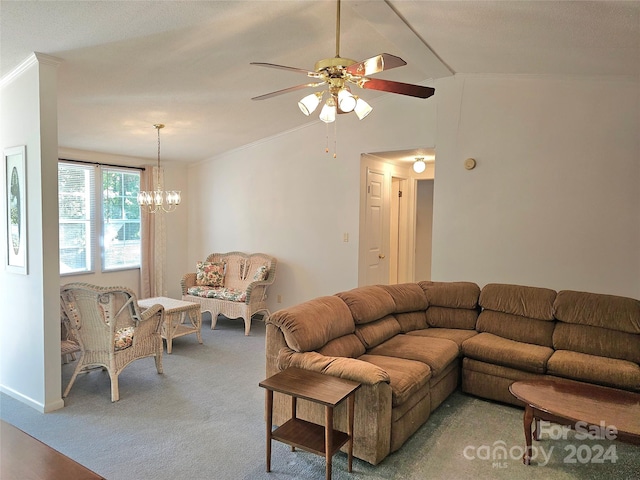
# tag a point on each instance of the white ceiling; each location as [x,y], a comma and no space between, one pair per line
[129,64]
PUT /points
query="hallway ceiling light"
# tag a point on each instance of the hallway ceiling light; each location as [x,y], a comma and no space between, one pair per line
[419,166]
[155,200]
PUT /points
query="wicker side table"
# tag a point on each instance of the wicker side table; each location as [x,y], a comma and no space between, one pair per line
[176,314]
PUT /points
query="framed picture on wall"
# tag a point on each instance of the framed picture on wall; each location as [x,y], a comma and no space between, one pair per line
[16,188]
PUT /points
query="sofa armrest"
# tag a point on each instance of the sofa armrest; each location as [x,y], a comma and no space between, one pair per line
[188,280]
[343,367]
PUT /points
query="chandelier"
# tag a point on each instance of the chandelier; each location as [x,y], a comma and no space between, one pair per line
[156,200]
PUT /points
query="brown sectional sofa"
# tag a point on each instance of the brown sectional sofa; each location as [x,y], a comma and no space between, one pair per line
[412,345]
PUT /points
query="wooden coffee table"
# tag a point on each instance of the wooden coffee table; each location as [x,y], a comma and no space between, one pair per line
[315,387]
[568,403]
[176,314]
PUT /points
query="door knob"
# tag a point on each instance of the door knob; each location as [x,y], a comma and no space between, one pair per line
[380,256]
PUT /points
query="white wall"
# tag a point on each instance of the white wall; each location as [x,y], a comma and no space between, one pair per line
[30,321]
[555,198]
[286,197]
[424,229]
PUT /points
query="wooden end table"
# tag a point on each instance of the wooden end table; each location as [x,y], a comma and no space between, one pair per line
[315,387]
[568,403]
[176,314]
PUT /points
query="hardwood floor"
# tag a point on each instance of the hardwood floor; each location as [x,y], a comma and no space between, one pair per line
[25,458]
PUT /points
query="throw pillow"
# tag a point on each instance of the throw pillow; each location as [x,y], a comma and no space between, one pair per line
[123,338]
[210,274]
[261,274]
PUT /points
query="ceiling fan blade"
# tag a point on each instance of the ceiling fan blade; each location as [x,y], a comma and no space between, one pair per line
[397,87]
[283,67]
[287,90]
[384,61]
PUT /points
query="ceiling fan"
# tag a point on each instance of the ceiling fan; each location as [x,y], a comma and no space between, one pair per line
[339,74]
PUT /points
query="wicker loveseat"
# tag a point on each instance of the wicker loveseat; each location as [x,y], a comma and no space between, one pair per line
[412,345]
[233,284]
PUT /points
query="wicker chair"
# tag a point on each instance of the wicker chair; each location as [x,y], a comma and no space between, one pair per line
[111,329]
[239,270]
[69,346]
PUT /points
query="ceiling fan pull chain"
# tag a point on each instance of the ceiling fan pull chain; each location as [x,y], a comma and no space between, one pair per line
[326,147]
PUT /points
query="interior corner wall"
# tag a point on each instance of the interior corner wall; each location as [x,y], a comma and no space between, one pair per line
[286,197]
[30,321]
[554,200]
[176,231]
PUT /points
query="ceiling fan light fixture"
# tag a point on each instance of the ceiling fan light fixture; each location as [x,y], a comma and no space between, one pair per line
[309,103]
[419,166]
[346,101]
[362,108]
[328,112]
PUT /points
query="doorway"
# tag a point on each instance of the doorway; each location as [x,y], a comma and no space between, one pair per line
[395,218]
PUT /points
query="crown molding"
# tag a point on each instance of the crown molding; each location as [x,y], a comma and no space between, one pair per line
[35,58]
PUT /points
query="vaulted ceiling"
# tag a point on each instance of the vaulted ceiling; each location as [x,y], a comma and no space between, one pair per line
[126,65]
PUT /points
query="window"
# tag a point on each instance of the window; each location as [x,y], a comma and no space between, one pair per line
[98,226]
[120,219]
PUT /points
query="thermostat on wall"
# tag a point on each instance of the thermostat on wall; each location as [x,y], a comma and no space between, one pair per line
[470,163]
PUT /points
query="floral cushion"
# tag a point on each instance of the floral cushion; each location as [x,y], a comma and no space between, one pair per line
[261,274]
[210,274]
[123,338]
[220,293]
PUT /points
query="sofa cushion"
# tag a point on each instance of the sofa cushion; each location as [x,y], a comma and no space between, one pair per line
[515,327]
[406,376]
[532,302]
[451,294]
[444,317]
[502,351]
[312,324]
[221,293]
[598,310]
[368,303]
[411,320]
[408,297]
[595,369]
[345,346]
[376,332]
[597,341]
[422,395]
[438,353]
[210,274]
[457,335]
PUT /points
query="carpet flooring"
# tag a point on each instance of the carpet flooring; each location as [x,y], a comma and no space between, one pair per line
[203,419]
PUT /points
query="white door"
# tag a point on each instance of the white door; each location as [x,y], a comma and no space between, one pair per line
[376,261]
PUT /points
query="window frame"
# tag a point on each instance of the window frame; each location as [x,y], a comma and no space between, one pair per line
[97,255]
[101,226]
